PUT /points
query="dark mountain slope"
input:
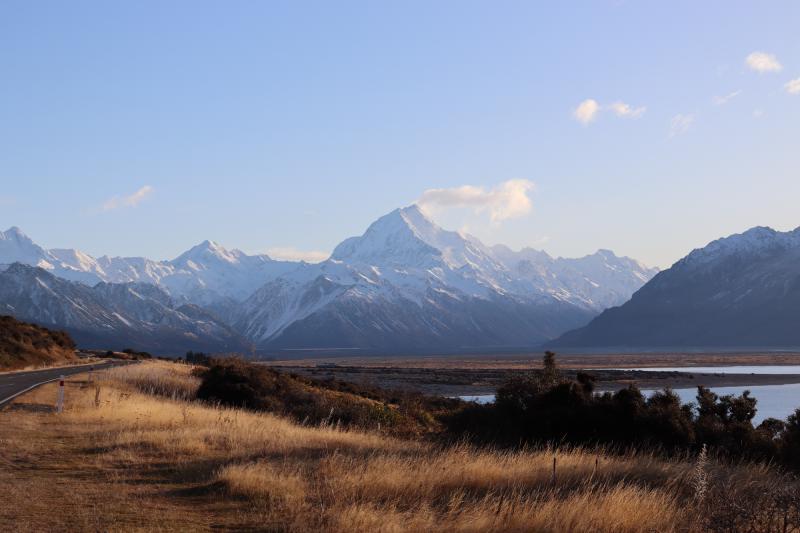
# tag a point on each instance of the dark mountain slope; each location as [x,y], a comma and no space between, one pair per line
[113,316]
[742,291]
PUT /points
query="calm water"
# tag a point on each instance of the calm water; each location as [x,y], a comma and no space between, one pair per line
[774,401]
[762,369]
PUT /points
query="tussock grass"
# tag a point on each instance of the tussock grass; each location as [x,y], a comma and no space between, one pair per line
[617,508]
[159,378]
[158,421]
[261,471]
[447,492]
[264,483]
[325,478]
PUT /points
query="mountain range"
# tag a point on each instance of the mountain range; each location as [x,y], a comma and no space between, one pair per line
[406,284]
[113,315]
[737,292]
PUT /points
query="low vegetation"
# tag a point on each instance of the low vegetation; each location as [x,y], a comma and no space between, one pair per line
[128,354]
[207,464]
[24,345]
[236,383]
[544,407]
[539,407]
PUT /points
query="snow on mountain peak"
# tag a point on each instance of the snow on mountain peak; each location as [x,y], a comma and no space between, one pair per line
[207,250]
[206,272]
[15,246]
[395,238]
[14,232]
[403,254]
[757,240]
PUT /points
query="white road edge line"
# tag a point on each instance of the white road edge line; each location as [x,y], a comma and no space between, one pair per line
[6,400]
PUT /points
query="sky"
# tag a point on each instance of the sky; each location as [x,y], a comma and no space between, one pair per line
[142,128]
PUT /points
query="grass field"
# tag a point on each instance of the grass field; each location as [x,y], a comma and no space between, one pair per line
[132,452]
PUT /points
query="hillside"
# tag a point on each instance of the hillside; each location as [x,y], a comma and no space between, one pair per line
[24,345]
[740,291]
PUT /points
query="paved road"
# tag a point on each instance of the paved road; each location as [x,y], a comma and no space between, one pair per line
[17,382]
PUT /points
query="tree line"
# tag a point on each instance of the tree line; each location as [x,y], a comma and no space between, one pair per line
[544,407]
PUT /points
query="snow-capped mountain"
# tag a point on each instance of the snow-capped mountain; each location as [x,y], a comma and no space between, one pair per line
[597,281]
[130,315]
[405,284]
[206,274]
[739,291]
[16,247]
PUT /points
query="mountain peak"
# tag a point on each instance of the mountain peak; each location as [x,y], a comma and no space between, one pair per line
[15,233]
[208,250]
[212,246]
[411,217]
[755,240]
[15,246]
[604,252]
[395,237]
[413,210]
[408,238]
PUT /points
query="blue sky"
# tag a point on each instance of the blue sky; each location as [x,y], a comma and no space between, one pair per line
[142,128]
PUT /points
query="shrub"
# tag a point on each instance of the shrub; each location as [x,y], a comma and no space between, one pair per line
[541,407]
[237,383]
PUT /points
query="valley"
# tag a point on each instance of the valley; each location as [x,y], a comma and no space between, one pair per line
[399,267]
[481,374]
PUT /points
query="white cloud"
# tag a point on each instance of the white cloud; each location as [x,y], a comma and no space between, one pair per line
[758,113]
[624,110]
[793,86]
[680,124]
[509,199]
[722,100]
[132,200]
[586,111]
[293,254]
[763,62]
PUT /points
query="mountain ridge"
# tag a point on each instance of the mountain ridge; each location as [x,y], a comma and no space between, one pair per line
[738,291]
[405,283]
[130,315]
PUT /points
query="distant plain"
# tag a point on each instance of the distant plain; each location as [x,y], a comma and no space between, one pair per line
[476,374]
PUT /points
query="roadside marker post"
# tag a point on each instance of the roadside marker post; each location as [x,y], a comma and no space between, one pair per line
[60,404]
[91,375]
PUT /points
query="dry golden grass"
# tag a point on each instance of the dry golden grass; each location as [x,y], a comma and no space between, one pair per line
[159,378]
[448,491]
[207,467]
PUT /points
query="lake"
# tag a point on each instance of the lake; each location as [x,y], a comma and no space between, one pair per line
[753,369]
[774,401]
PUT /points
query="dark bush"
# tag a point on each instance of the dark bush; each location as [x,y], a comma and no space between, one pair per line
[541,407]
[237,383]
